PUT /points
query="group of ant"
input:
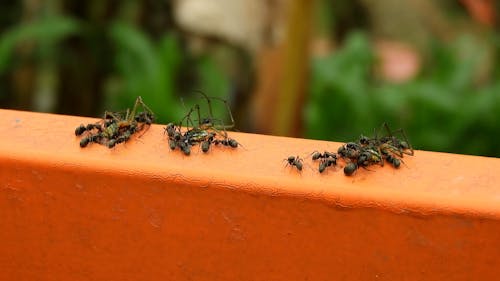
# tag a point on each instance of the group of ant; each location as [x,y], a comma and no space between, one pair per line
[206,131]
[364,152]
[118,127]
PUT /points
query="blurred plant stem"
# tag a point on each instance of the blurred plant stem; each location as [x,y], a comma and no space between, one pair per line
[287,112]
[45,99]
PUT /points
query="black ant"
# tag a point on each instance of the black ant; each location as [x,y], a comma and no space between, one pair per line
[369,157]
[205,145]
[350,150]
[119,139]
[395,162]
[317,155]
[350,168]
[227,142]
[327,159]
[369,151]
[364,159]
[89,139]
[325,163]
[80,130]
[294,161]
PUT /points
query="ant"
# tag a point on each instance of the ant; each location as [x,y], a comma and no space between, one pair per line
[395,162]
[128,123]
[365,158]
[369,157]
[89,139]
[327,159]
[207,130]
[294,161]
[390,146]
[350,168]
[205,145]
[325,163]
[117,127]
[350,150]
[391,142]
[317,155]
[82,128]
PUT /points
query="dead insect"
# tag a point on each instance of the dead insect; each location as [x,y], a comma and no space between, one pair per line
[386,145]
[116,127]
[391,140]
[200,130]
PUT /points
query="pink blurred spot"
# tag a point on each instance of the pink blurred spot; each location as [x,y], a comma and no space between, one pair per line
[398,62]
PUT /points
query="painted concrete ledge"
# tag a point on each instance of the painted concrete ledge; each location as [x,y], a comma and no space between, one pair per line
[142,212]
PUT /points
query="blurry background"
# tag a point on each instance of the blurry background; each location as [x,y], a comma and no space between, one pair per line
[320,69]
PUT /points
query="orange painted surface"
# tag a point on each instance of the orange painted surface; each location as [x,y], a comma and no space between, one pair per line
[142,212]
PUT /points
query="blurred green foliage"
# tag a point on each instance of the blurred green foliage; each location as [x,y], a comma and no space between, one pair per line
[102,57]
[442,110]
[127,62]
[48,32]
[145,69]
[151,69]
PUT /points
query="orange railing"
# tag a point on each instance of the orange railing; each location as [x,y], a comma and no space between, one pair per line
[142,212]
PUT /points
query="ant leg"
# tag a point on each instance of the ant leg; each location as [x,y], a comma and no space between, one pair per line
[209,103]
[200,122]
[381,156]
[230,115]
[138,101]
[187,118]
[389,132]
[228,111]
[221,129]
[131,117]
[112,115]
[195,108]
[405,139]
[143,105]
